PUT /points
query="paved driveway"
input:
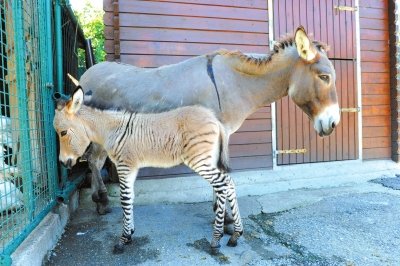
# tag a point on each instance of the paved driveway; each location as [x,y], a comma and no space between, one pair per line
[358,224]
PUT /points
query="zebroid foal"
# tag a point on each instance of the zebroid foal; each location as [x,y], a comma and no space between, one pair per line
[189,135]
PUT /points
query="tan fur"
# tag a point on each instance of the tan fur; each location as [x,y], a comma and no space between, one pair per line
[191,135]
[158,140]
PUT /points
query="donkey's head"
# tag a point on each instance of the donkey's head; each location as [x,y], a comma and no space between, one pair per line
[312,84]
[71,132]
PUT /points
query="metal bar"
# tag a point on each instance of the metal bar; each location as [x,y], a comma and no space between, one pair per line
[296,151]
[59,49]
[59,62]
[23,117]
[48,103]
[350,110]
[89,54]
[63,195]
[273,105]
[342,59]
[358,77]
[346,8]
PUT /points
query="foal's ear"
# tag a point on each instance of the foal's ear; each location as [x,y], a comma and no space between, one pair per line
[75,103]
[305,48]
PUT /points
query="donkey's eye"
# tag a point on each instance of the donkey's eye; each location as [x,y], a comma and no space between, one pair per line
[63,133]
[325,78]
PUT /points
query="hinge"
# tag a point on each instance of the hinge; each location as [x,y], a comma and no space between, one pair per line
[345,8]
[350,110]
[296,151]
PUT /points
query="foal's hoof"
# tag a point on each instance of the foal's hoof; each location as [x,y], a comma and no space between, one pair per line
[215,250]
[232,242]
[233,239]
[118,248]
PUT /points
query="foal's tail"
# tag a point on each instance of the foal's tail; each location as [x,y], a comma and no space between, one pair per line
[223,161]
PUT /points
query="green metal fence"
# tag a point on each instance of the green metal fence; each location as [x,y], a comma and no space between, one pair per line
[32,48]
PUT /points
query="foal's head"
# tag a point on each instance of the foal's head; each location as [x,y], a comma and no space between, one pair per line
[312,84]
[71,132]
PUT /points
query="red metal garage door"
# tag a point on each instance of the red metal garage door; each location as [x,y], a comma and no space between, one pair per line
[331,22]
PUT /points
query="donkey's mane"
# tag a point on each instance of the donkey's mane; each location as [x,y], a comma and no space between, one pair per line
[251,65]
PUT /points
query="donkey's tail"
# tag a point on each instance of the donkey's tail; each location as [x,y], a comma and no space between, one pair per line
[223,161]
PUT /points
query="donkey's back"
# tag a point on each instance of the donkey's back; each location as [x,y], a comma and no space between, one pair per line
[117,85]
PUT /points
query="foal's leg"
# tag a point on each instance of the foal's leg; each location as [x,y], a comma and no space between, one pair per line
[228,221]
[127,179]
[238,226]
[216,179]
[96,159]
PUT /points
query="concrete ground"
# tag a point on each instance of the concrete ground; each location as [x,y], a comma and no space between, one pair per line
[353,218]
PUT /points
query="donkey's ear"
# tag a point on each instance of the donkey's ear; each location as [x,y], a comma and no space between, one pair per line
[75,103]
[304,46]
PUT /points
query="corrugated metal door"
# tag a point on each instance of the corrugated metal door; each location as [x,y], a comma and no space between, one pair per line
[331,22]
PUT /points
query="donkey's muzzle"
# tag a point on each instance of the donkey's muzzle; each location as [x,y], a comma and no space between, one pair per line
[327,120]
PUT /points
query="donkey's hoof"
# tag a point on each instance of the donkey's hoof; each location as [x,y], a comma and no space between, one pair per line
[103,210]
[103,197]
[95,197]
[118,248]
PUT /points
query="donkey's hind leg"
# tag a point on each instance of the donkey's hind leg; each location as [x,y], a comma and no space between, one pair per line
[96,159]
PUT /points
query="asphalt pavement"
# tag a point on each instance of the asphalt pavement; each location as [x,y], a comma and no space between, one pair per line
[353,224]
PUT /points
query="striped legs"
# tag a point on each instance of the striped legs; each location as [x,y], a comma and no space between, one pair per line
[224,189]
[237,220]
[127,179]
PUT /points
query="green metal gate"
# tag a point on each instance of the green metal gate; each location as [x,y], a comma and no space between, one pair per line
[32,48]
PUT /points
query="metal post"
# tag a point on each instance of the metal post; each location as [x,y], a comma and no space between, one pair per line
[48,71]
[59,49]
[358,77]
[273,105]
[59,62]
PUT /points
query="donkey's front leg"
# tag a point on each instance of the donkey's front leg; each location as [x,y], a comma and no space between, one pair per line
[127,179]
[96,159]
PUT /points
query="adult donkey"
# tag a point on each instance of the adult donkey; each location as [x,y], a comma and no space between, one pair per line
[230,83]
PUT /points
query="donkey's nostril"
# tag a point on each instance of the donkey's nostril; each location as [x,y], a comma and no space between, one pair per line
[333,125]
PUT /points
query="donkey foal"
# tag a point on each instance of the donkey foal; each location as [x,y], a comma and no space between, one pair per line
[189,135]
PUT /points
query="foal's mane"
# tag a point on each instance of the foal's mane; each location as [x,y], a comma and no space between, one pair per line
[257,65]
